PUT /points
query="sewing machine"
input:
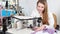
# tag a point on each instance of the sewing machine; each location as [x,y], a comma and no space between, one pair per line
[21,18]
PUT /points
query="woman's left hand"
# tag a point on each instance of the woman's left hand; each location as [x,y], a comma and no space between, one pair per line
[40,28]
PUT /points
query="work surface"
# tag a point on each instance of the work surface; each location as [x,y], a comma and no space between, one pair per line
[22,31]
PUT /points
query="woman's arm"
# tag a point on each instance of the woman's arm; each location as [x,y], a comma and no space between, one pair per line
[51,23]
[50,20]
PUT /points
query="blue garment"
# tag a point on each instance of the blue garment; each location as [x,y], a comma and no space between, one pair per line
[3,12]
[7,12]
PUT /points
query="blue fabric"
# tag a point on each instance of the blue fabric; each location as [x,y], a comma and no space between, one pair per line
[3,12]
[7,13]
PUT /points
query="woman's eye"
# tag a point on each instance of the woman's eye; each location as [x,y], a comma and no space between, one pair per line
[42,7]
[38,6]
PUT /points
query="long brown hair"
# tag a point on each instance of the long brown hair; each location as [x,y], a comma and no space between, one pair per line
[45,12]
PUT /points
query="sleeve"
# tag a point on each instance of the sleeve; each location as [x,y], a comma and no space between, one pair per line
[30,22]
[50,20]
[33,14]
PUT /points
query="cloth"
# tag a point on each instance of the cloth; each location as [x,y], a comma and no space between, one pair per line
[45,31]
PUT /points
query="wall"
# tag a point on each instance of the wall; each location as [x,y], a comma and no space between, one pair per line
[54,6]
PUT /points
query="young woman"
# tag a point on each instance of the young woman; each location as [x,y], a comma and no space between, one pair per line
[47,17]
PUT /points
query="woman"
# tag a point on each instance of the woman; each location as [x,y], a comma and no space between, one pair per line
[47,18]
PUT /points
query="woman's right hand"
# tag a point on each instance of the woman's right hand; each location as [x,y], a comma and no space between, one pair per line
[39,28]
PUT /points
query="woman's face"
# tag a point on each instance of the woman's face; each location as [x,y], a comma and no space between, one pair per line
[40,7]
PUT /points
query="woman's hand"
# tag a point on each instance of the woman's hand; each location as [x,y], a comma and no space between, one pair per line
[39,28]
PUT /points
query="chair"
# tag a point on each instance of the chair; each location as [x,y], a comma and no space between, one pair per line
[56,26]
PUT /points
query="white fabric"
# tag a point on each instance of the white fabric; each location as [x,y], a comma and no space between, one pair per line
[35,13]
[51,20]
[41,32]
[19,25]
